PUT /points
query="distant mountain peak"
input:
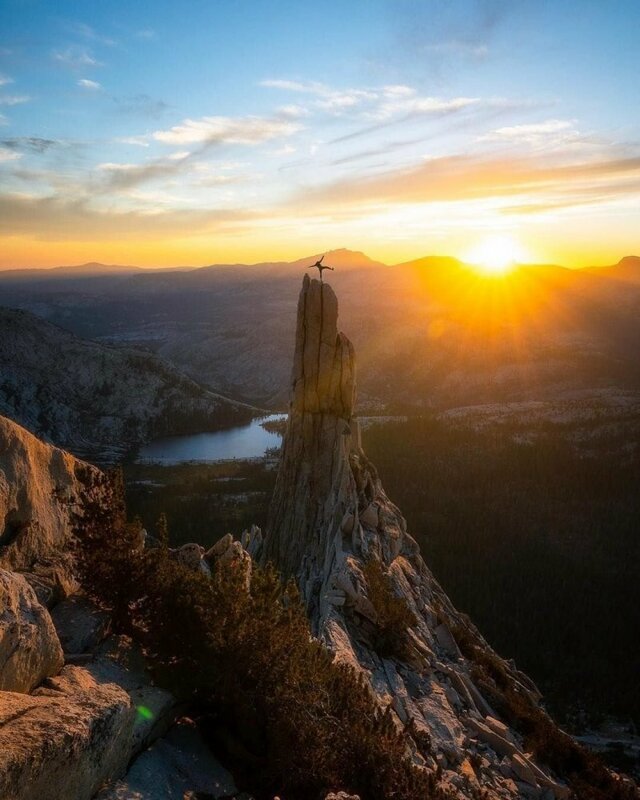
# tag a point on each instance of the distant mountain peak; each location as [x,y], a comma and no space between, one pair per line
[627,269]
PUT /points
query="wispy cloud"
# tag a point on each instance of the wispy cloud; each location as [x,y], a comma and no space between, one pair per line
[123,176]
[529,132]
[13,99]
[472,177]
[293,110]
[142,105]
[75,57]
[137,141]
[8,155]
[382,103]
[146,33]
[93,86]
[34,144]
[328,99]
[54,218]
[248,130]
[89,33]
[4,80]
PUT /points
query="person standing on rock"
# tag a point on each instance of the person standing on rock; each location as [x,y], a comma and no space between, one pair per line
[321,266]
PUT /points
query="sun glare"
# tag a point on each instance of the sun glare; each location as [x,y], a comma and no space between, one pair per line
[496,255]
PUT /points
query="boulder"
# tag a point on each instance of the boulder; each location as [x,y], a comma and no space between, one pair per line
[44,491]
[120,661]
[64,742]
[29,647]
[81,626]
[177,766]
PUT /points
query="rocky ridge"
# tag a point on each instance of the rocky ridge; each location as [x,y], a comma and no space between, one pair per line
[329,520]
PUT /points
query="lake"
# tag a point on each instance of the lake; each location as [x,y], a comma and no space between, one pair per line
[245,441]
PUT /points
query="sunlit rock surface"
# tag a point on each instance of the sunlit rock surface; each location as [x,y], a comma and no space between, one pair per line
[43,494]
[29,646]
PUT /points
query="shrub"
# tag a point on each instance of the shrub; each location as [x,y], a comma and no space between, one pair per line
[292,721]
[392,613]
[585,772]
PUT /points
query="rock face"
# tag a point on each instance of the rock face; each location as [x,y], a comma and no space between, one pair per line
[312,490]
[29,647]
[64,741]
[329,521]
[177,766]
[42,490]
[79,711]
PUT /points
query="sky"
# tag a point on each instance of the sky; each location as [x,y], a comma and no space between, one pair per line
[211,131]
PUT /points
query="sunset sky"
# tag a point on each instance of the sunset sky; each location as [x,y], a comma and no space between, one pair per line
[167,133]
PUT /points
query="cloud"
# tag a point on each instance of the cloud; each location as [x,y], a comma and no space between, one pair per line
[146,33]
[35,144]
[441,38]
[138,141]
[125,176]
[465,177]
[3,120]
[409,105]
[75,57]
[4,80]
[333,101]
[56,219]
[529,132]
[248,130]
[287,150]
[293,110]
[381,103]
[87,32]
[8,155]
[293,86]
[141,105]
[13,99]
[85,83]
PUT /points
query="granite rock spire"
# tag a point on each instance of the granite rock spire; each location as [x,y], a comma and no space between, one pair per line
[329,521]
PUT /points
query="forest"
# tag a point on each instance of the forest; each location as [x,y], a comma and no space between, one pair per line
[534,534]
[531,528]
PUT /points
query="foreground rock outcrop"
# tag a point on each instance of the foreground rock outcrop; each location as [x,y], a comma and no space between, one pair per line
[77,704]
[30,650]
[66,740]
[334,530]
[43,494]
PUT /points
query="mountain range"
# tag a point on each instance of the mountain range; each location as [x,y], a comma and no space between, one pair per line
[429,332]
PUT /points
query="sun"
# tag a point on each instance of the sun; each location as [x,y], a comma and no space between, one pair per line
[496,255]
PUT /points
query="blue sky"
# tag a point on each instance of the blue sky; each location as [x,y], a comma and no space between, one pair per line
[164,133]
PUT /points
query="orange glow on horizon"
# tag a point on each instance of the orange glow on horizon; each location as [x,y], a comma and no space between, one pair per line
[23,252]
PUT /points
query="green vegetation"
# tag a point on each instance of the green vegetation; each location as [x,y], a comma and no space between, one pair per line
[290,720]
[533,531]
[202,502]
[393,617]
[585,772]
